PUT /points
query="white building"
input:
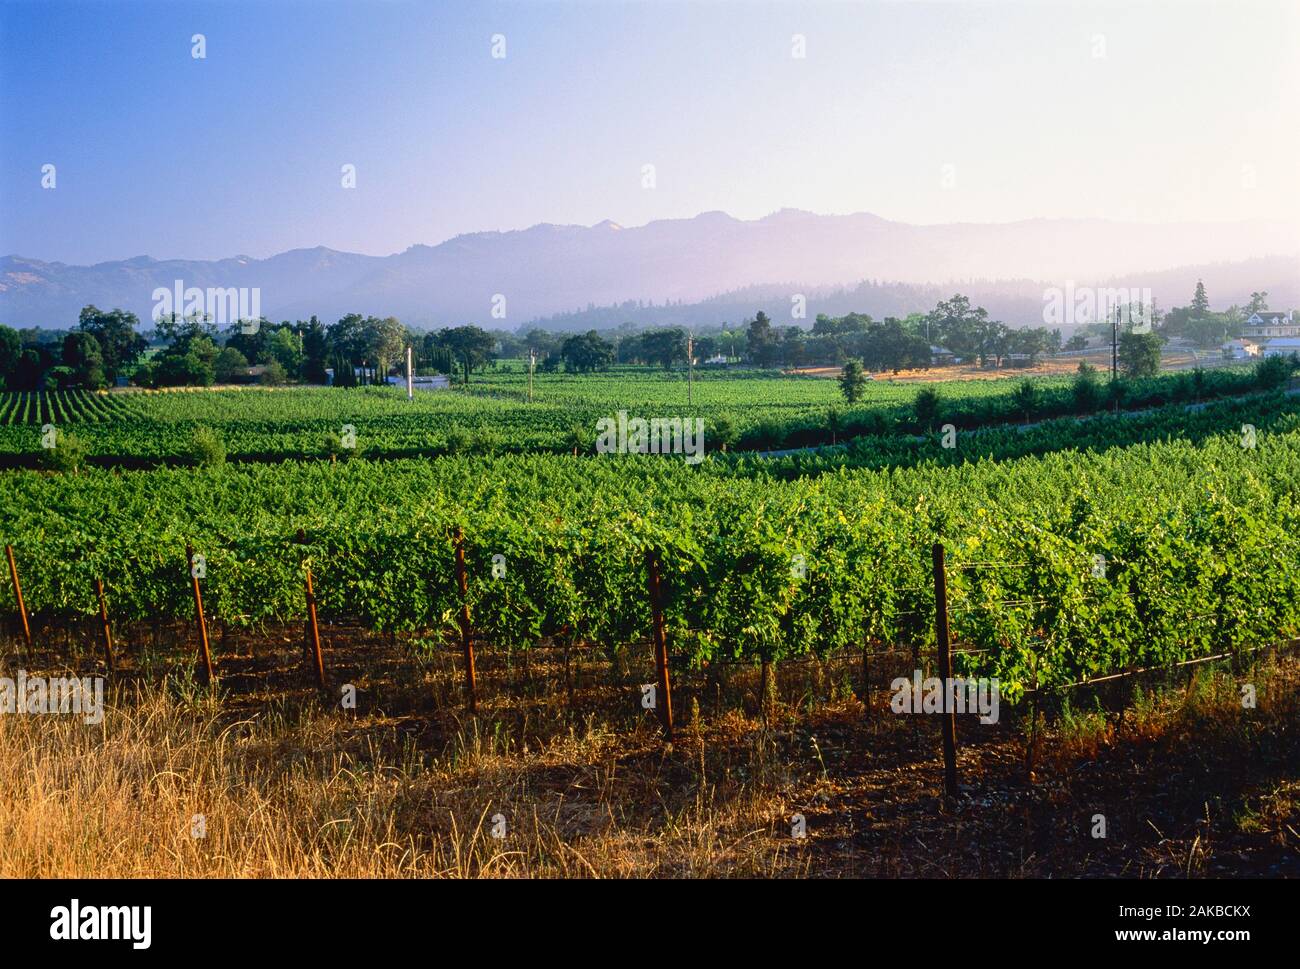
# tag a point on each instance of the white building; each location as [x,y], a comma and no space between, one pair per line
[1241,349]
[1282,346]
[1271,323]
[435,382]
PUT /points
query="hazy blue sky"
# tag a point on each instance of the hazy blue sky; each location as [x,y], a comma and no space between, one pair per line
[1191,114]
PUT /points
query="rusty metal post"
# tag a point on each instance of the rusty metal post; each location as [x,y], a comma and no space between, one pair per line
[206,653]
[466,640]
[313,631]
[103,619]
[18,594]
[664,702]
[949,715]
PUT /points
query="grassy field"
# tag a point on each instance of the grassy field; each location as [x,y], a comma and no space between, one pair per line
[747,410]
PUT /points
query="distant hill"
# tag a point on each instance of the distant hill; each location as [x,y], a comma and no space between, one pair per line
[712,261]
[1015,302]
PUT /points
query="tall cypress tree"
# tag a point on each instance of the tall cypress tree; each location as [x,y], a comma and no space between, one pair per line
[1200,302]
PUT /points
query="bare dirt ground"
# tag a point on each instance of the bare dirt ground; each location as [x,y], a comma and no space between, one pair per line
[562,759]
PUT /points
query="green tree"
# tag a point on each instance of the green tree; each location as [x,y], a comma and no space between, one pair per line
[587,352]
[347,337]
[1085,390]
[541,342]
[68,454]
[888,345]
[1139,354]
[385,343]
[580,437]
[82,353]
[1258,303]
[143,375]
[315,352]
[1200,302]
[344,374]
[182,370]
[853,382]
[285,349]
[1272,372]
[119,343]
[332,447]
[926,407]
[206,448]
[11,352]
[58,378]
[1210,330]
[228,364]
[834,423]
[1024,399]
[965,331]
[471,345]
[721,432]
[664,347]
[27,374]
[762,342]
[273,374]
[182,332]
[250,340]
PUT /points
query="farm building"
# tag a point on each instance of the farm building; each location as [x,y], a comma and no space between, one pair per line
[435,382]
[1240,349]
[1282,347]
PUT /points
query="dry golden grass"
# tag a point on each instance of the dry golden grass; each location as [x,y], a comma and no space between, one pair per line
[283,796]
[409,785]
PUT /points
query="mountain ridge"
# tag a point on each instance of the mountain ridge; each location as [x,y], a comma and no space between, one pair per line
[548,269]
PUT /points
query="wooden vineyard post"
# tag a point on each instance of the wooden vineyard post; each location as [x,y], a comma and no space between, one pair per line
[18,595]
[466,640]
[103,620]
[1031,750]
[766,689]
[313,631]
[949,715]
[301,539]
[205,653]
[866,680]
[664,701]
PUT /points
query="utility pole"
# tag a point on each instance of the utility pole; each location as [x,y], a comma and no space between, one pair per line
[410,375]
[1114,345]
[532,363]
[690,367]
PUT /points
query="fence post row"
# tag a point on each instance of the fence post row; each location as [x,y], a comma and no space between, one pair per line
[18,594]
[104,624]
[205,653]
[466,641]
[948,714]
[664,702]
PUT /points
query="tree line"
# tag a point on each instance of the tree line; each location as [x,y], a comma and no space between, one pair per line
[107,347]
